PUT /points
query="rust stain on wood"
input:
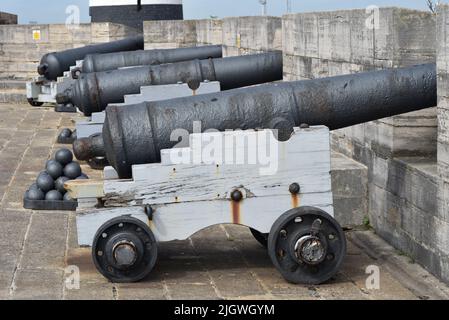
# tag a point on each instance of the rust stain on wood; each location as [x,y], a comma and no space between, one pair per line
[295,200]
[235,208]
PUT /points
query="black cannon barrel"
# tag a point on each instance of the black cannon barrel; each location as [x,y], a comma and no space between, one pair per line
[136,134]
[94,91]
[53,65]
[112,61]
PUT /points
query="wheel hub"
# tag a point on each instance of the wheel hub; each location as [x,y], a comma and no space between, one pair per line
[125,254]
[310,249]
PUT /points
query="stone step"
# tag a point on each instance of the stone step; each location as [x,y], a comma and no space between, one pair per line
[13,97]
[12,85]
[350,189]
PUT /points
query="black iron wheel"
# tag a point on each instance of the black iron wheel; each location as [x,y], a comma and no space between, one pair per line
[124,250]
[307,246]
[262,238]
[35,103]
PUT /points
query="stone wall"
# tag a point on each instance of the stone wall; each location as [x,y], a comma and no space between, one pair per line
[209,32]
[249,35]
[7,18]
[326,44]
[441,218]
[170,34]
[239,35]
[22,46]
[400,152]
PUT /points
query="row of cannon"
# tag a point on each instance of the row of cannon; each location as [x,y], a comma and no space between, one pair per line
[163,203]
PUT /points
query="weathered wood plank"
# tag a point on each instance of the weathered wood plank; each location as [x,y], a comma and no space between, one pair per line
[304,159]
[79,189]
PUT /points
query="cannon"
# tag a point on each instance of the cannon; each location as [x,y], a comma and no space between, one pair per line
[162,190]
[94,91]
[112,61]
[136,134]
[53,65]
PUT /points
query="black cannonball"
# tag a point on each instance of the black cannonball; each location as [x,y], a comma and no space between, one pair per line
[72,170]
[51,161]
[35,194]
[65,133]
[59,184]
[64,156]
[53,195]
[67,197]
[54,169]
[45,182]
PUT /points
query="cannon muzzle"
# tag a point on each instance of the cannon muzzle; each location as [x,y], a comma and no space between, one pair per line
[89,148]
[136,134]
[94,91]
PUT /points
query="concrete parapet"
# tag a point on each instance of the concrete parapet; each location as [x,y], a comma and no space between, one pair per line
[168,34]
[247,35]
[322,44]
[22,46]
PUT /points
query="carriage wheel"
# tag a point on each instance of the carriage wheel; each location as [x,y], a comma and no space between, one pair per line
[124,250]
[35,103]
[307,246]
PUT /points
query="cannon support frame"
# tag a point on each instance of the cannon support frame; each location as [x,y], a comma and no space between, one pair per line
[178,200]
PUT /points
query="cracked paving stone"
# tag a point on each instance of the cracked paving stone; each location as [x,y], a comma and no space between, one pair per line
[33,284]
[45,245]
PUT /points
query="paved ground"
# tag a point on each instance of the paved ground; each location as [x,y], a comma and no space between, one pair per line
[220,263]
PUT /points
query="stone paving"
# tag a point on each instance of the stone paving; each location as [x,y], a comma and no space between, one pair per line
[223,262]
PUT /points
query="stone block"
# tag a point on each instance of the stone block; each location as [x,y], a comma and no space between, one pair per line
[256,33]
[350,190]
[170,34]
[209,31]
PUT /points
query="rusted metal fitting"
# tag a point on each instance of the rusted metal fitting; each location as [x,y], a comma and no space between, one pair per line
[295,188]
[237,196]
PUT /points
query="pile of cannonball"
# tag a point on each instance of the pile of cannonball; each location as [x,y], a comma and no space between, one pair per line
[49,184]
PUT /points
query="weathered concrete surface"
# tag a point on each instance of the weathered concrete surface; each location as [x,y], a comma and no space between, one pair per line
[238,35]
[249,35]
[20,52]
[219,263]
[322,44]
[13,91]
[209,32]
[350,189]
[443,136]
[169,34]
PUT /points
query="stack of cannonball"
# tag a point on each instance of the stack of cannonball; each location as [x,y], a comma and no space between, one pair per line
[49,185]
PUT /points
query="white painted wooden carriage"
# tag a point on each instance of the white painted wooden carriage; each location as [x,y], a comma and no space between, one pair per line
[281,190]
